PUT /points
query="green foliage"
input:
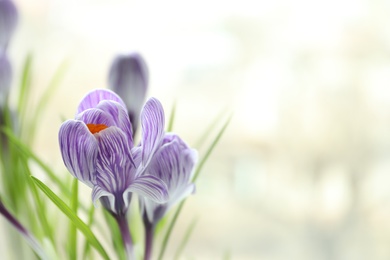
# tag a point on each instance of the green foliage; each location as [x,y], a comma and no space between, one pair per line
[185,239]
[198,170]
[72,238]
[20,190]
[89,235]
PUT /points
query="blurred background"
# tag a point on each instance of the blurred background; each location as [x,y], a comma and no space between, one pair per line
[303,170]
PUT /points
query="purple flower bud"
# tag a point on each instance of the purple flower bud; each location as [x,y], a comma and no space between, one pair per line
[128,77]
[8,20]
[5,78]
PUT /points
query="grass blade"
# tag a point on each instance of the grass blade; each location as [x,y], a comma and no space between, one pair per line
[47,94]
[72,242]
[26,151]
[24,87]
[199,168]
[72,216]
[208,130]
[172,118]
[210,149]
[184,241]
[90,221]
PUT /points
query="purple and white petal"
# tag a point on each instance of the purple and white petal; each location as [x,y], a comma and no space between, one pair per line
[180,194]
[154,211]
[96,116]
[114,161]
[150,187]
[94,97]
[153,123]
[119,116]
[173,163]
[79,150]
[107,199]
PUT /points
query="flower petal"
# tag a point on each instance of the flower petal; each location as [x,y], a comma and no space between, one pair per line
[153,123]
[150,187]
[173,163]
[107,199]
[120,117]
[79,150]
[115,170]
[94,97]
[96,116]
[154,211]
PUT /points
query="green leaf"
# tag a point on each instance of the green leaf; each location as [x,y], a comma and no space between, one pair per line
[90,222]
[208,130]
[199,168]
[184,241]
[72,216]
[44,100]
[210,149]
[72,241]
[227,255]
[26,151]
[24,88]
[172,118]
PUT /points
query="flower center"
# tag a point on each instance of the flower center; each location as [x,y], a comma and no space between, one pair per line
[96,128]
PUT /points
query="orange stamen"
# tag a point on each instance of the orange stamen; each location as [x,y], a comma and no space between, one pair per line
[96,128]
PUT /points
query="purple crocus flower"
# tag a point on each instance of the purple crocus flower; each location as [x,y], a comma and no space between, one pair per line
[173,163]
[97,148]
[128,77]
[8,21]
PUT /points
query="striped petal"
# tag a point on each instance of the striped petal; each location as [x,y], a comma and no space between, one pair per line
[79,150]
[150,187]
[120,117]
[96,116]
[173,163]
[106,198]
[94,97]
[154,211]
[153,123]
[115,170]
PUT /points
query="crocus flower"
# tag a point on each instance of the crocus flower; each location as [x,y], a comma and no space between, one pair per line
[173,163]
[8,20]
[97,148]
[128,77]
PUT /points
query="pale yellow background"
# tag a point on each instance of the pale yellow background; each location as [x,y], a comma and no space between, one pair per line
[303,171]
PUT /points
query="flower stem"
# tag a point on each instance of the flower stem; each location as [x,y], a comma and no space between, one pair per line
[149,234]
[126,236]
